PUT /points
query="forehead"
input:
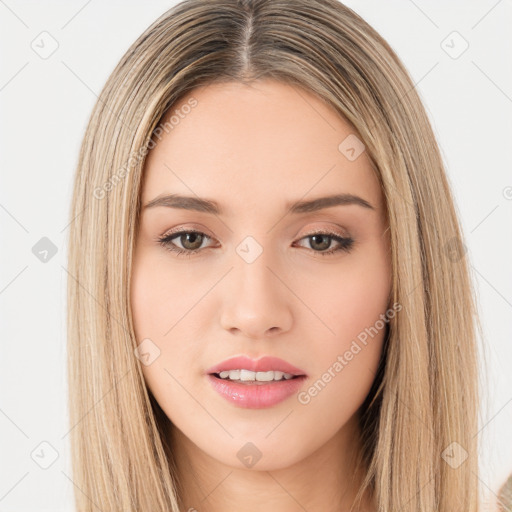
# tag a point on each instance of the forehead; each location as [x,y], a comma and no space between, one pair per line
[245,145]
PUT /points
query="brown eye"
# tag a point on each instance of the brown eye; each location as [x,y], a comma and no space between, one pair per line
[189,242]
[320,243]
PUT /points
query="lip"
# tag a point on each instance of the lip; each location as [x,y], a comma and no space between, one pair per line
[264,364]
[256,396]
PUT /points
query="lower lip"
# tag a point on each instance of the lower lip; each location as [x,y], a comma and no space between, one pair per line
[256,396]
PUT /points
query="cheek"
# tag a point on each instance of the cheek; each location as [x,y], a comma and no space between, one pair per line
[352,307]
[351,297]
[155,296]
[157,307]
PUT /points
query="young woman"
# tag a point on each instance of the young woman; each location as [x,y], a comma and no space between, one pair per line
[269,301]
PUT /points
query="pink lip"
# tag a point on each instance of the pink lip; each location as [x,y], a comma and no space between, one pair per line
[264,364]
[253,395]
[256,395]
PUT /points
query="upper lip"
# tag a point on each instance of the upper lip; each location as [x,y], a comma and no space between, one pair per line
[263,364]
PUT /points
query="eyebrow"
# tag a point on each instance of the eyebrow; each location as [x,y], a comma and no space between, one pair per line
[210,206]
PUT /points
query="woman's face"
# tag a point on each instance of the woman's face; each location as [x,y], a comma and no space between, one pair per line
[261,283]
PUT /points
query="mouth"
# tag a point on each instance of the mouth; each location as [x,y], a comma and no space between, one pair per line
[250,378]
[255,383]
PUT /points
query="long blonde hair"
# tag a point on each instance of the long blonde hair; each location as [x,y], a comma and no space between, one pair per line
[421,414]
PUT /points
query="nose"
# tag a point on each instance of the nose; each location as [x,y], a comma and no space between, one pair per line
[257,299]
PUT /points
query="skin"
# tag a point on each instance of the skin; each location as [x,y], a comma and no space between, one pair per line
[252,149]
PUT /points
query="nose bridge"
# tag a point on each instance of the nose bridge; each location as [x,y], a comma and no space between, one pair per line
[256,299]
[252,275]
[255,276]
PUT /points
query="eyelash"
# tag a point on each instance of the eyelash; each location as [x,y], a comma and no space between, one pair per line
[346,243]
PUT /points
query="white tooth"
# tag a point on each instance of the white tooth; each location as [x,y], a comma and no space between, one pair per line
[249,376]
[265,376]
[246,375]
[234,374]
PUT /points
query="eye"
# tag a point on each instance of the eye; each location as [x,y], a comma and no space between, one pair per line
[322,240]
[192,241]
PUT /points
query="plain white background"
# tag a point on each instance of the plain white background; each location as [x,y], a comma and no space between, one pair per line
[45,104]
